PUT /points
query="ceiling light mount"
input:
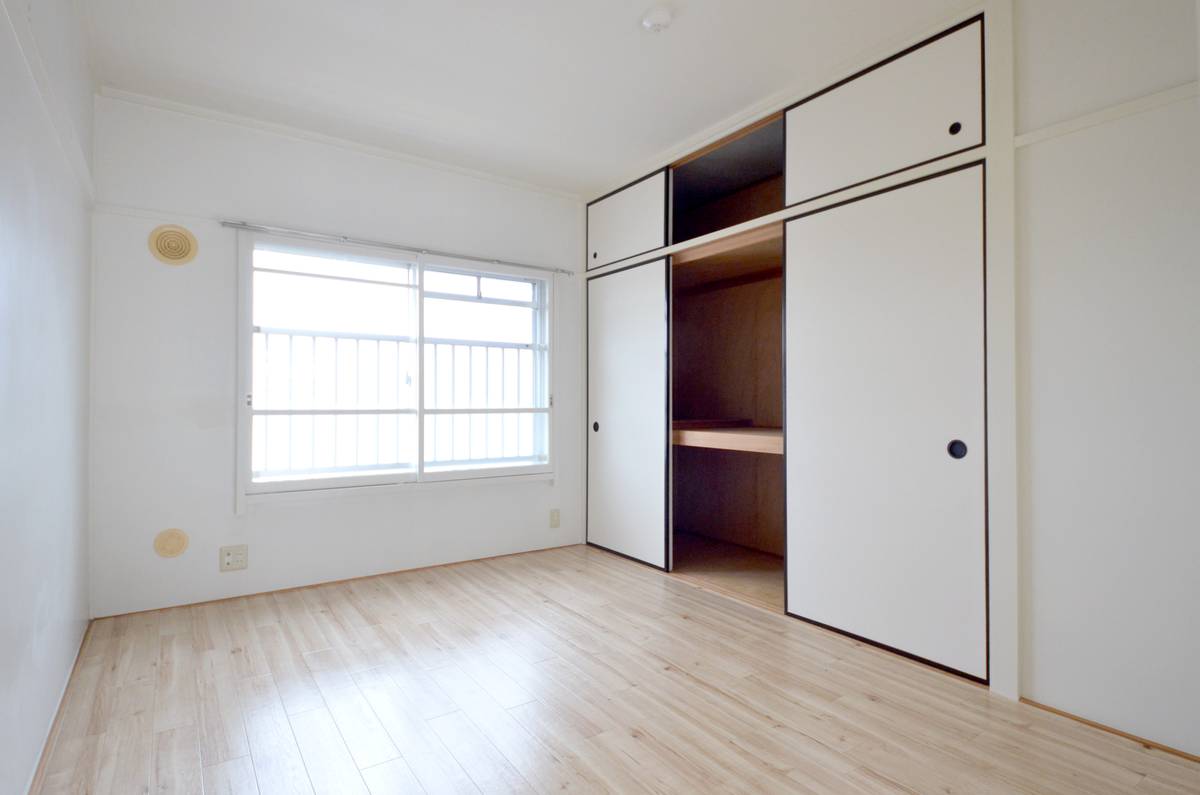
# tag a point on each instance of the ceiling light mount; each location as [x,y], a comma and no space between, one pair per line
[657,19]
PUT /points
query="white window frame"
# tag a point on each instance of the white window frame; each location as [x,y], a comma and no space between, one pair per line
[247,487]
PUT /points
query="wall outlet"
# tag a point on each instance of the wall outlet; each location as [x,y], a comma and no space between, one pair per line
[234,558]
[554,517]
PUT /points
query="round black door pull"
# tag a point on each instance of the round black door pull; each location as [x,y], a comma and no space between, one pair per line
[595,426]
[593,255]
[955,128]
[957,449]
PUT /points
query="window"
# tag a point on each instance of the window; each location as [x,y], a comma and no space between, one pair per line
[368,367]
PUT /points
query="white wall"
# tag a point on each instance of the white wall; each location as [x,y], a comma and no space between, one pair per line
[44,251]
[164,394]
[1109,367]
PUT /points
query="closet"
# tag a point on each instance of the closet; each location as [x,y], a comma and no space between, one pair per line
[727,417]
[786,360]
[734,180]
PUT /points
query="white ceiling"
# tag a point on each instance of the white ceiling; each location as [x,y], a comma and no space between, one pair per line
[570,95]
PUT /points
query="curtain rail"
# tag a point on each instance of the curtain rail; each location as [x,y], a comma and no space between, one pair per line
[280,230]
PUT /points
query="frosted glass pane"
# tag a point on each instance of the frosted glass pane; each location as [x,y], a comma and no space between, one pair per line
[306,303]
[467,320]
[506,289]
[482,376]
[465,441]
[306,445]
[341,266]
[456,283]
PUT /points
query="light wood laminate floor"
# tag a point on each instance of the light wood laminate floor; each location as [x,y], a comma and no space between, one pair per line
[566,669]
[737,571]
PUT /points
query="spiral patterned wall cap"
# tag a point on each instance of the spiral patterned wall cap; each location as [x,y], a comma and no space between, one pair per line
[173,245]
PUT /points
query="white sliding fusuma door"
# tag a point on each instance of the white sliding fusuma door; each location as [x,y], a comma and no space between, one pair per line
[886,447]
[627,412]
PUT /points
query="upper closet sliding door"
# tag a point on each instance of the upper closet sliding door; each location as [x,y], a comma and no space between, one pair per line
[920,105]
[886,444]
[628,429]
[628,222]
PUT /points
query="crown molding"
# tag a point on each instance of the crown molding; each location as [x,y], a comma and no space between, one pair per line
[310,136]
[1133,107]
[65,134]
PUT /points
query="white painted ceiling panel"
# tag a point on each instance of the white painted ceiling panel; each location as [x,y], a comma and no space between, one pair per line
[568,95]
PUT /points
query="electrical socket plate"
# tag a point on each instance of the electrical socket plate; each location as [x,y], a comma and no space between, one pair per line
[234,558]
[554,517]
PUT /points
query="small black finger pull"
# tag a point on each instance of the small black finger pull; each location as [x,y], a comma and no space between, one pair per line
[596,427]
[955,128]
[957,449]
[593,255]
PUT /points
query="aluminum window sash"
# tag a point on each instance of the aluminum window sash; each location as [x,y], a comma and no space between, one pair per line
[306,275]
[479,299]
[532,410]
[327,412]
[525,346]
[337,335]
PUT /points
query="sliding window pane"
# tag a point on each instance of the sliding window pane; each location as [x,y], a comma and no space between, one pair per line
[454,283]
[376,269]
[471,320]
[507,289]
[483,377]
[301,446]
[301,372]
[466,441]
[308,303]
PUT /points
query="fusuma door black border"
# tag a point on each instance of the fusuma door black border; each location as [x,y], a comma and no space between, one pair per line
[587,332]
[879,64]
[666,235]
[987,609]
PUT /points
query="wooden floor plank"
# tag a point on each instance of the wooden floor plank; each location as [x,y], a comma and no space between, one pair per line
[486,766]
[231,777]
[177,768]
[330,767]
[278,765]
[365,736]
[392,778]
[568,669]
[222,733]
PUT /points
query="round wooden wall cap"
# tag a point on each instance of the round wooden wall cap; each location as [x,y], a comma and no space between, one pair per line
[171,543]
[173,245]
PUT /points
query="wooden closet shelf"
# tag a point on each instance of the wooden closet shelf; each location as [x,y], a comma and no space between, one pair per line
[727,435]
[768,238]
[756,254]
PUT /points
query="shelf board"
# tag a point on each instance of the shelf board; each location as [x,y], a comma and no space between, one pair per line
[687,425]
[756,252]
[722,436]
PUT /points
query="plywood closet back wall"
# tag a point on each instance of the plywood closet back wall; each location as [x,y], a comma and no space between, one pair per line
[727,353]
[727,359]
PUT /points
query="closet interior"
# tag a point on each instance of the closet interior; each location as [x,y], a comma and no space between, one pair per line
[736,179]
[727,416]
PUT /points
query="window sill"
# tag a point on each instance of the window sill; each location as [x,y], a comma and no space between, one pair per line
[444,482]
